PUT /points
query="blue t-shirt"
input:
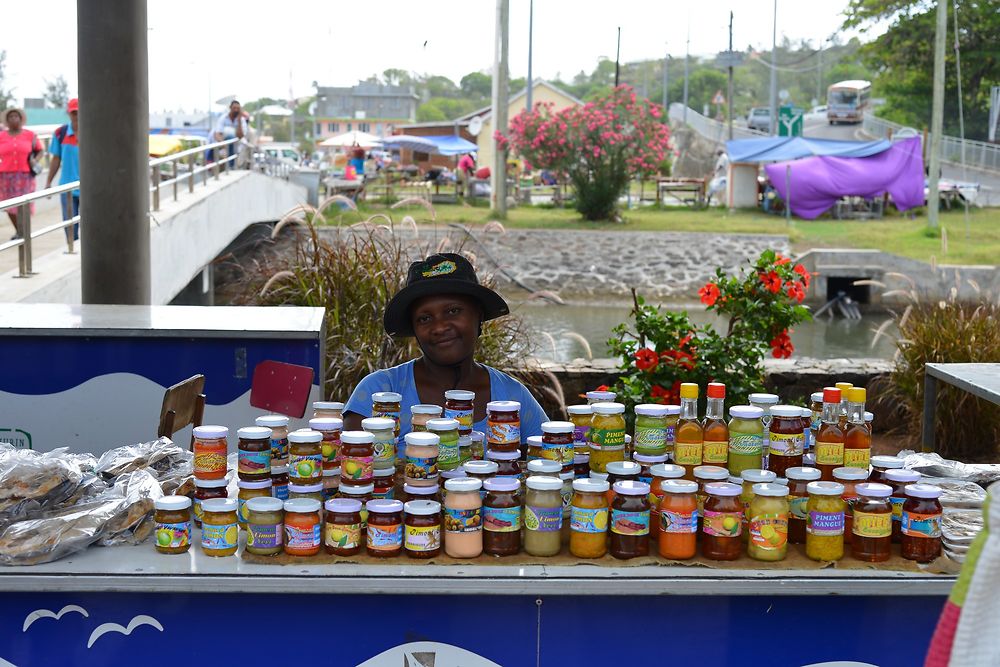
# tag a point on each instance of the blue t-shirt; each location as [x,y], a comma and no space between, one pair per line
[400,380]
[67,150]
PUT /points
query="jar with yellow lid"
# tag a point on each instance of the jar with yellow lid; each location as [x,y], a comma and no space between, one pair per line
[173,524]
[219,532]
[606,435]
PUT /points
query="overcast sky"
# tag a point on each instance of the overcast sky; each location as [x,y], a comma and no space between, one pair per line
[200,51]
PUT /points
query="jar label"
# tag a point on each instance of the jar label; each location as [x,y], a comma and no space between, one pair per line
[897,508]
[868,524]
[199,513]
[422,538]
[502,519]
[769,531]
[448,455]
[302,538]
[650,439]
[829,453]
[387,493]
[330,449]
[687,453]
[750,444]
[219,537]
[552,452]
[463,417]
[309,466]
[580,439]
[857,458]
[342,536]
[264,536]
[501,433]
[543,519]
[798,507]
[421,468]
[787,444]
[463,521]
[567,456]
[915,524]
[825,523]
[357,468]
[280,491]
[242,512]
[254,463]
[723,524]
[629,523]
[173,535]
[678,522]
[385,452]
[607,438]
[584,520]
[209,462]
[385,538]
[393,415]
[330,492]
[715,452]
[279,449]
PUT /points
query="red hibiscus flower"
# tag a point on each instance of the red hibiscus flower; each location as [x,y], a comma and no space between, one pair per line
[781,259]
[771,281]
[709,294]
[646,359]
[781,346]
[668,396]
[801,270]
[795,291]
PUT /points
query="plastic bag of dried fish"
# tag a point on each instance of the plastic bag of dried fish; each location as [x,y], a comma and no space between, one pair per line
[32,482]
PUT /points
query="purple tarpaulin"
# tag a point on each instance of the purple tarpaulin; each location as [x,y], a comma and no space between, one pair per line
[818,182]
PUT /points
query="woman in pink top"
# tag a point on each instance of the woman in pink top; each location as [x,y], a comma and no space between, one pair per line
[17,147]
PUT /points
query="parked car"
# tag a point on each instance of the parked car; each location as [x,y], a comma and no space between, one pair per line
[759,118]
[282,152]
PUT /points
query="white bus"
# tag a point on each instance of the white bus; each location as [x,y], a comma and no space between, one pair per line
[847,101]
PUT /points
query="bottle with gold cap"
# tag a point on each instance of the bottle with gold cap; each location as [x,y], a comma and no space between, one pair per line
[843,387]
[857,439]
[715,450]
[690,436]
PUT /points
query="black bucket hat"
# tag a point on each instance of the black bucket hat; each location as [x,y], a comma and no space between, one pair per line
[444,273]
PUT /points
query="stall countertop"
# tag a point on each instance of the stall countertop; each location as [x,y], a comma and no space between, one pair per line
[142,569]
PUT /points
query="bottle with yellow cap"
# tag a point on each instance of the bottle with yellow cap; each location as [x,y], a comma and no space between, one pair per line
[690,435]
[843,387]
[857,440]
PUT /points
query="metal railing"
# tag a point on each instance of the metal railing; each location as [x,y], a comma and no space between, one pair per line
[709,128]
[978,154]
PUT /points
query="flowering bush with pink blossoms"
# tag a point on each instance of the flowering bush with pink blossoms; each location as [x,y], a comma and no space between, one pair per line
[599,146]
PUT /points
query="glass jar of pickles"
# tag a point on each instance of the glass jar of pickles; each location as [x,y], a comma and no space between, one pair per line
[746,438]
[607,435]
[580,415]
[650,429]
[768,522]
[825,527]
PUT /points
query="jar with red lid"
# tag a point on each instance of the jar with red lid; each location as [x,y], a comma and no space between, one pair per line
[253,453]
[342,527]
[330,428]
[898,480]
[384,480]
[629,529]
[357,456]
[460,406]
[385,528]
[207,489]
[503,421]
[422,528]
[722,522]
[921,523]
[798,501]
[211,446]
[787,439]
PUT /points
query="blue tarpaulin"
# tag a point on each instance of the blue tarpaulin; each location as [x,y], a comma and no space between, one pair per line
[779,149]
[452,145]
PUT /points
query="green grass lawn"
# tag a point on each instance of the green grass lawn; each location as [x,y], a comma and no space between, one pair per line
[896,233]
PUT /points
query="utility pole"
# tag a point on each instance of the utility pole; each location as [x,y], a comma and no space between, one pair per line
[937,115]
[774,72]
[666,83]
[687,53]
[819,76]
[531,25]
[498,175]
[618,53]
[730,91]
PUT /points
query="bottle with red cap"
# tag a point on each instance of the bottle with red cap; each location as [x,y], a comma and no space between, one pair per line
[829,435]
[715,449]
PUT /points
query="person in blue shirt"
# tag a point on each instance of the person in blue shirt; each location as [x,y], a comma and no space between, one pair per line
[443,306]
[65,151]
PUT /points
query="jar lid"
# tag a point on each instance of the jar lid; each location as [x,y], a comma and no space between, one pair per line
[219,505]
[856,395]
[386,397]
[477,436]
[502,484]
[723,489]
[422,507]
[580,459]
[825,488]
[786,411]
[600,476]
[591,485]
[172,503]
[803,474]
[807,412]
[544,483]
[601,396]
[620,468]
[426,409]
[265,504]
[567,475]
[271,421]
[649,459]
[431,490]
[383,472]
[850,474]
[503,456]
[689,390]
[673,410]
[378,424]
[782,480]
[735,479]
[678,486]
[305,435]
[765,399]
[384,506]
[442,425]
[746,412]
[328,405]
[253,433]
[874,490]
[869,416]
[331,472]
[770,490]
[756,475]
[608,408]
[463,484]
[212,483]
[710,472]
[306,488]
[302,505]
[457,473]
[256,484]
[357,438]
[422,439]
[544,466]
[534,441]
[651,410]
[279,470]
[326,424]
[460,395]
[843,386]
[558,427]
[465,441]
[830,395]
[900,475]
[667,471]
[210,432]
[360,490]
[888,462]
[503,406]
[480,467]
[343,505]
[579,409]
[817,397]
[630,488]
[922,491]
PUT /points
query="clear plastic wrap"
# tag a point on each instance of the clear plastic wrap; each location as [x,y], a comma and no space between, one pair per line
[140,490]
[162,457]
[960,527]
[932,465]
[958,493]
[32,482]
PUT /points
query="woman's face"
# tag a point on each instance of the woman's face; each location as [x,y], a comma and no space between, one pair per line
[446,327]
[14,121]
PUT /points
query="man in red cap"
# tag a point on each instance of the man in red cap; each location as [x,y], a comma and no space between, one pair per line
[65,151]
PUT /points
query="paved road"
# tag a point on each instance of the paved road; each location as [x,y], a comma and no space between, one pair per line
[47,211]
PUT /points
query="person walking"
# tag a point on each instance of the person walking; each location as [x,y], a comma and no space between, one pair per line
[19,149]
[65,152]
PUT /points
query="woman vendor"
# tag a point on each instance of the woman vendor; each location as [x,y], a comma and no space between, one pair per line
[444,307]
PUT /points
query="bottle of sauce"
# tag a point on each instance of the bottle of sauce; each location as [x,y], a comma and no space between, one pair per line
[857,438]
[589,519]
[715,450]
[543,516]
[678,519]
[871,541]
[607,435]
[799,479]
[746,439]
[463,520]
[921,523]
[690,434]
[502,517]
[722,522]
[829,435]
[630,520]
[787,439]
[844,387]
